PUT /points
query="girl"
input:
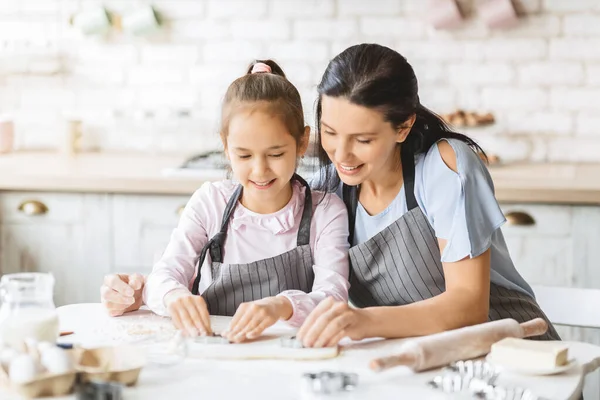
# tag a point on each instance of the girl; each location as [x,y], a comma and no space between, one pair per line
[263,249]
[427,251]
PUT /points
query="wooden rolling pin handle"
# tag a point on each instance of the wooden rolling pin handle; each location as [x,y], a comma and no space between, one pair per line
[535,327]
[379,364]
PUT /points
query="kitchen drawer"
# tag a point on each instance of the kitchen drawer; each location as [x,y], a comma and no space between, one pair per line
[51,208]
[543,251]
[142,227]
[555,220]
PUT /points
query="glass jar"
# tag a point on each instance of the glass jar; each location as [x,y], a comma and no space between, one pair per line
[27,310]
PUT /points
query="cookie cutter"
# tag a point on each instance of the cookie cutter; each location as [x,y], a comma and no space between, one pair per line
[214,338]
[291,342]
[474,369]
[327,382]
[99,390]
[479,379]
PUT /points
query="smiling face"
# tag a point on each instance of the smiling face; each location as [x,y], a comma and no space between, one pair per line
[358,141]
[263,155]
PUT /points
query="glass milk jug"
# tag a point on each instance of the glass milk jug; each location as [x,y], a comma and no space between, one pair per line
[27,310]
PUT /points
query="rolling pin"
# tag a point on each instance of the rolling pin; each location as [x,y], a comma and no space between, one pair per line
[443,348]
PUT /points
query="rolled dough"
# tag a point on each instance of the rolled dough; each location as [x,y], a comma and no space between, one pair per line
[93,327]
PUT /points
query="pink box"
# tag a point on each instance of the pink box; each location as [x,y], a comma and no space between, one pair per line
[444,14]
[7,135]
[498,13]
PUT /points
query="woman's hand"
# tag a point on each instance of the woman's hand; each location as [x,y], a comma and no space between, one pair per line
[252,318]
[333,320]
[121,293]
[189,313]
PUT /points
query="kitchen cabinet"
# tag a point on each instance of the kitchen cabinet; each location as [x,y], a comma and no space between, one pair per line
[558,246]
[142,227]
[65,234]
[79,238]
[542,248]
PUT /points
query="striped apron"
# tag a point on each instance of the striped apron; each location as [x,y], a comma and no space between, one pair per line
[401,264]
[234,284]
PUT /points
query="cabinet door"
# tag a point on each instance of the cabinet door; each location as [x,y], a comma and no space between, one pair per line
[142,227]
[561,248]
[65,234]
[543,252]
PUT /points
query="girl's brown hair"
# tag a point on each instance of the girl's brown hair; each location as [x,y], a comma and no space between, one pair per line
[277,95]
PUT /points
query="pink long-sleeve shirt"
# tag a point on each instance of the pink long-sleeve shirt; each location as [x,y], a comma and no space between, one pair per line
[252,237]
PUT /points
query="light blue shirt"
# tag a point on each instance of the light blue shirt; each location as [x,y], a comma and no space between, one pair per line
[460,206]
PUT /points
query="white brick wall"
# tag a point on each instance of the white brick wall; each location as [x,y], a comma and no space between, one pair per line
[260,29]
[540,78]
[392,26]
[480,73]
[583,49]
[575,99]
[302,8]
[551,73]
[236,8]
[361,7]
[582,25]
[593,75]
[325,28]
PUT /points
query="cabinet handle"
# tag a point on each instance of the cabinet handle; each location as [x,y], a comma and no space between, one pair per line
[180,210]
[519,218]
[33,207]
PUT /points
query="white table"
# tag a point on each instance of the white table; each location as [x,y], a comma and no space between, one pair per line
[271,379]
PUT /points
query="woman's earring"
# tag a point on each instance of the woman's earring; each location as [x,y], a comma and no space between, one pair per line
[426,127]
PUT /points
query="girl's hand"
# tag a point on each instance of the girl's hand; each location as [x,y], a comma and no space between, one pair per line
[331,321]
[252,318]
[121,293]
[189,313]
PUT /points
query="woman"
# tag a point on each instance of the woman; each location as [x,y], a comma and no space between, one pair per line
[427,251]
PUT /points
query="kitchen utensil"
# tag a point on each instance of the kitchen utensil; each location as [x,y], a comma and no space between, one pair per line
[28,311]
[292,342]
[98,390]
[327,382]
[460,344]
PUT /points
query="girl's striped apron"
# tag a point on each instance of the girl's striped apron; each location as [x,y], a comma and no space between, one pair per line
[234,284]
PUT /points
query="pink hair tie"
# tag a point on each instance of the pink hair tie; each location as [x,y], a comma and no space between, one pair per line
[260,67]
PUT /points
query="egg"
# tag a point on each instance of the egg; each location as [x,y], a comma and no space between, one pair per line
[23,368]
[7,354]
[56,360]
[42,346]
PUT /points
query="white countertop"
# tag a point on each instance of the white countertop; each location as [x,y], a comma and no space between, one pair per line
[148,174]
[278,379]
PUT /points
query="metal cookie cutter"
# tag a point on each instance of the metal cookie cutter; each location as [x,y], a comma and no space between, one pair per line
[292,342]
[97,390]
[214,338]
[474,369]
[478,378]
[327,382]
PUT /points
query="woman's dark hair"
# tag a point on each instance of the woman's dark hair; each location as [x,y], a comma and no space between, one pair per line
[381,79]
[270,87]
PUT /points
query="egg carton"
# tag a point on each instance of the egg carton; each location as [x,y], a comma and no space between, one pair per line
[44,384]
[118,364]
